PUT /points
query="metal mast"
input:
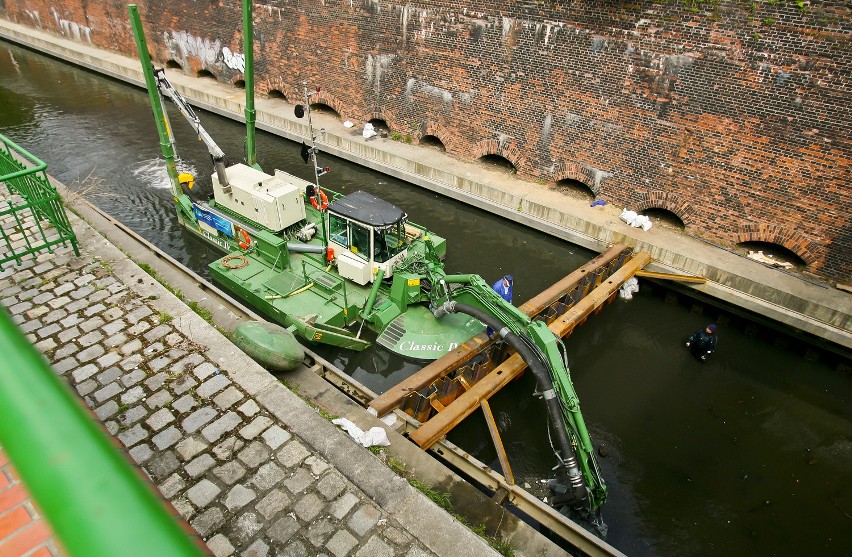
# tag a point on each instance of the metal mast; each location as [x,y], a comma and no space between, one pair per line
[248,73]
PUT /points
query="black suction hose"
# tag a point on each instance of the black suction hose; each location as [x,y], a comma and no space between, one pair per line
[539,368]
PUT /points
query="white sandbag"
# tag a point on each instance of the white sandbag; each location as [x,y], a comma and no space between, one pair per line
[641,221]
[628,216]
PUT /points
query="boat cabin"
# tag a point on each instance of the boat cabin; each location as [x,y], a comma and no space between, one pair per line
[367,234]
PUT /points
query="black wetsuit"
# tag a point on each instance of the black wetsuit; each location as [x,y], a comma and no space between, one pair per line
[701,344]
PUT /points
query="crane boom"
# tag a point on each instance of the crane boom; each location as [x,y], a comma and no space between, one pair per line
[584,490]
[168,90]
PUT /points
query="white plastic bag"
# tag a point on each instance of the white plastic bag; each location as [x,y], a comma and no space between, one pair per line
[629,287]
[374,437]
[628,216]
[641,221]
[369,131]
[636,220]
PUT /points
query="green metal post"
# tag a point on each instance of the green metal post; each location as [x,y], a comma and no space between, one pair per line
[95,501]
[248,73]
[154,96]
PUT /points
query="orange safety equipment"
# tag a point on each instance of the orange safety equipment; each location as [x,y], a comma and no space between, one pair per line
[323,205]
[246,240]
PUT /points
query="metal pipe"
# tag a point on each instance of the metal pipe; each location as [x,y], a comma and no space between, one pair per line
[538,367]
[460,279]
[248,75]
[219,165]
[92,497]
[304,248]
[371,299]
[39,164]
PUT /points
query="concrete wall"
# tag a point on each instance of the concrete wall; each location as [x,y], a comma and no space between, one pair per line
[732,115]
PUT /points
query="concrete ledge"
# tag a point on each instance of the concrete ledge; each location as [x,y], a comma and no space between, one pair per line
[782,297]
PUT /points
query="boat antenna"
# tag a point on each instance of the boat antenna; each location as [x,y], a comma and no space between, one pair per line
[312,151]
[313,148]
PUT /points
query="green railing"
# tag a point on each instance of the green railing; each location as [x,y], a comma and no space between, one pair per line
[96,502]
[38,220]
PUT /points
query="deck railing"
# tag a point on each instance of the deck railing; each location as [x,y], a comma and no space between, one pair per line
[32,217]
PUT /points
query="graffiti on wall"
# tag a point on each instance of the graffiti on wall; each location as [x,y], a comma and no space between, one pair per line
[234,60]
[182,44]
[33,15]
[210,52]
[72,29]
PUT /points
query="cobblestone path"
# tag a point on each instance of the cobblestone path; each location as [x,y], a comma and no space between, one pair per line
[242,458]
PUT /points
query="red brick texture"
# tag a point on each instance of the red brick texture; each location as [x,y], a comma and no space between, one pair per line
[21,530]
[733,115]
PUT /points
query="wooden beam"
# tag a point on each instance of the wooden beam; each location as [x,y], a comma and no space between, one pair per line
[495,437]
[669,276]
[498,442]
[539,303]
[564,324]
[430,432]
[433,371]
[453,360]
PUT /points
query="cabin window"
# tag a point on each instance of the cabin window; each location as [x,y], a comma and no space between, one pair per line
[389,242]
[360,241]
[338,230]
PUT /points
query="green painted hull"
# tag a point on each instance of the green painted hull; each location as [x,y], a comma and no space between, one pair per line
[310,298]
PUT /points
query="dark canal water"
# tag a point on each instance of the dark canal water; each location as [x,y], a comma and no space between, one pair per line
[748,454]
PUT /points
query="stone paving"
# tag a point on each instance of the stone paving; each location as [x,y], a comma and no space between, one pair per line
[252,467]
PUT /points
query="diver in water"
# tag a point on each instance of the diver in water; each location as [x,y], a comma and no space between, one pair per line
[702,343]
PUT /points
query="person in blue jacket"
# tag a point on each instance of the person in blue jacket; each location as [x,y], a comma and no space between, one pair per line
[702,343]
[504,288]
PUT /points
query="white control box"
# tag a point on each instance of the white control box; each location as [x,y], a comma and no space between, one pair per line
[274,202]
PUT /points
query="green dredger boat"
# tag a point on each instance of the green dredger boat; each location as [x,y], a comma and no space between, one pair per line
[325,265]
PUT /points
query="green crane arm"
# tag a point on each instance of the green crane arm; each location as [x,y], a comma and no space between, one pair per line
[544,353]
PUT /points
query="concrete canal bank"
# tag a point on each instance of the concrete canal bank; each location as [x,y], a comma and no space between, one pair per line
[785,298]
[254,468]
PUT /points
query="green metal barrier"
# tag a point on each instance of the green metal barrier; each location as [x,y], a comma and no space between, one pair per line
[96,502]
[31,200]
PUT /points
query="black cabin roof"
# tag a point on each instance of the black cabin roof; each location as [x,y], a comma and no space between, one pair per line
[367,208]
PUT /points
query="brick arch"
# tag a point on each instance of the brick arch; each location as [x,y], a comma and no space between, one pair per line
[439,131]
[791,239]
[506,149]
[392,122]
[201,69]
[294,94]
[666,200]
[324,97]
[573,171]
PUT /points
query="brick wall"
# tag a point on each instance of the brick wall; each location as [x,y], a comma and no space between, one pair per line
[733,115]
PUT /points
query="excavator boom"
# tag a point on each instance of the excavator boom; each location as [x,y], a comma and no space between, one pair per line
[544,354]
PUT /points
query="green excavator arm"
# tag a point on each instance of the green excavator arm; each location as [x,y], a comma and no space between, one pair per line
[544,353]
